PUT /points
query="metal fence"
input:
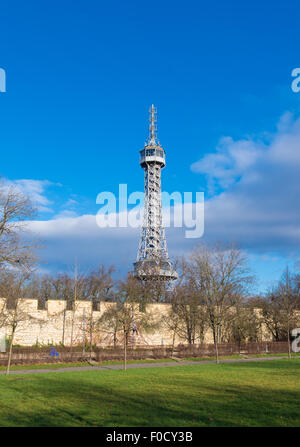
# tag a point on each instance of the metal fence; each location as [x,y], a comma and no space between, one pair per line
[196,350]
[37,355]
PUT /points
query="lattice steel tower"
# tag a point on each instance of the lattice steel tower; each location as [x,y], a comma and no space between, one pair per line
[152,259]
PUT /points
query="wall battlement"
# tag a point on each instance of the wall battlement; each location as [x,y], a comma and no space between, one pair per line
[55,324]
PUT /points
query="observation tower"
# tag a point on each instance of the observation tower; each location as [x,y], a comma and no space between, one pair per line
[152,258]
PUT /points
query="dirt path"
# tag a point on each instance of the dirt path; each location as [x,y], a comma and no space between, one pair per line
[137,365]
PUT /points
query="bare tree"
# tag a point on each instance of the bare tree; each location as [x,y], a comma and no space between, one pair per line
[220,276]
[279,308]
[95,287]
[63,289]
[271,315]
[244,324]
[192,316]
[90,327]
[16,249]
[287,297]
[172,322]
[15,313]
[17,256]
[125,314]
[98,285]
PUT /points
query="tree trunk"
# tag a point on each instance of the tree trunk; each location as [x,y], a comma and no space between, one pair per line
[189,335]
[216,337]
[64,324]
[288,340]
[10,350]
[84,334]
[125,351]
[91,340]
[217,351]
[71,341]
[173,344]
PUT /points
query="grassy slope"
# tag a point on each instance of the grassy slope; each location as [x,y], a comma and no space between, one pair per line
[244,394]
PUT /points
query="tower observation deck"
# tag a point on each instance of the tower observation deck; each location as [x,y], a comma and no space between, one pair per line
[152,259]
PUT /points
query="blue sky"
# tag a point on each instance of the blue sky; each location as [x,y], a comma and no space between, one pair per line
[81,76]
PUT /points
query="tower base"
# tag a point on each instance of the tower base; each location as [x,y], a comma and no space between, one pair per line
[154,270]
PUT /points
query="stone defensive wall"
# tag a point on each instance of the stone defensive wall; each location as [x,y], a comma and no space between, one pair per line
[57,325]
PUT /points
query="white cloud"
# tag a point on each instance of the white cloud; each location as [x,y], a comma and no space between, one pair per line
[67,238]
[231,160]
[65,213]
[70,203]
[35,190]
[259,205]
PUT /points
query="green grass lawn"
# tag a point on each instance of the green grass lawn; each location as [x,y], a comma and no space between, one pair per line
[240,394]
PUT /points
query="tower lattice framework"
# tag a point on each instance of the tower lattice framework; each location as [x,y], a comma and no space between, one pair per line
[152,258]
